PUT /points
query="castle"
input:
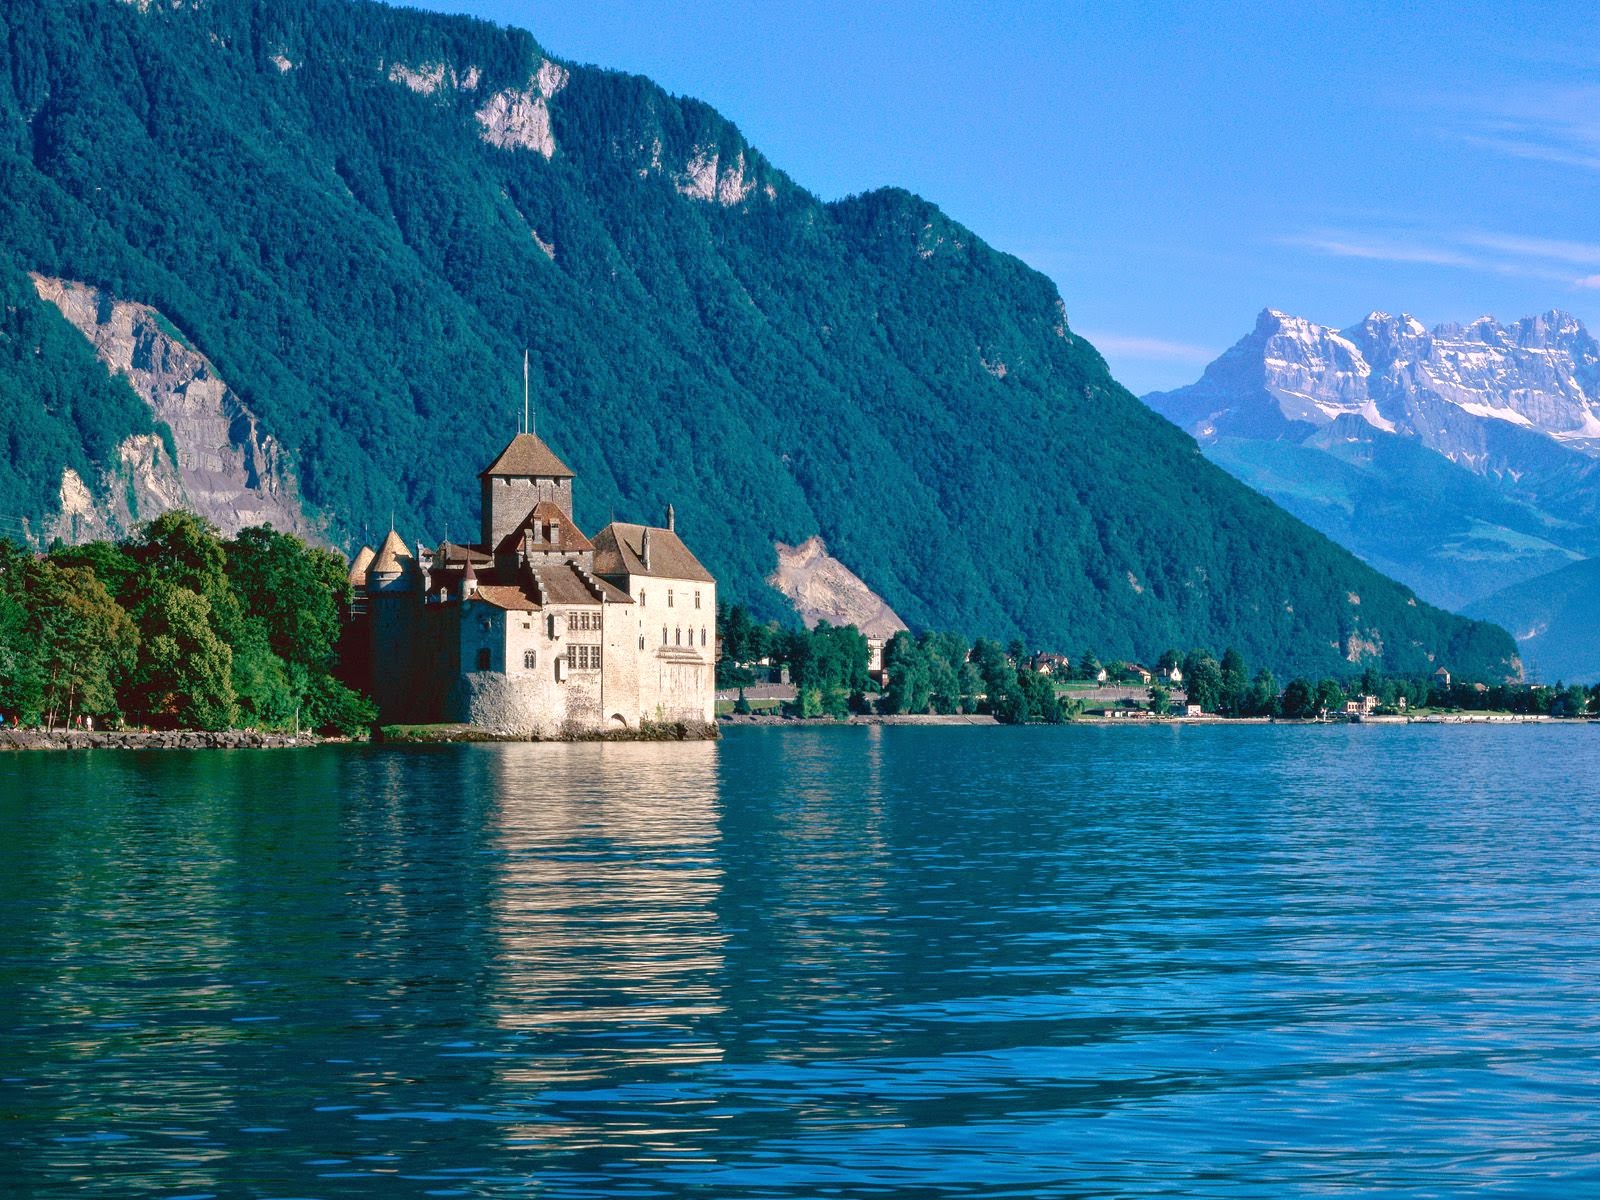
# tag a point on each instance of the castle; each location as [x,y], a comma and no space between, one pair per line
[536,629]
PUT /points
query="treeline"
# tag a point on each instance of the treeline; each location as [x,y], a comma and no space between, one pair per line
[176,628]
[934,673]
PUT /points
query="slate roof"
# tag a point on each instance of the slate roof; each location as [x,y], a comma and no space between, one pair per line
[618,550]
[527,455]
[542,517]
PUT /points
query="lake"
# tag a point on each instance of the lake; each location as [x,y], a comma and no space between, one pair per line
[856,962]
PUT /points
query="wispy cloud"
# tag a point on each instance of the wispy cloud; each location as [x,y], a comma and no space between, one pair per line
[1379,249]
[1551,259]
[1137,346]
[1553,123]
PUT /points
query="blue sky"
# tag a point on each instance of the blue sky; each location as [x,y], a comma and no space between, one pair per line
[1174,168]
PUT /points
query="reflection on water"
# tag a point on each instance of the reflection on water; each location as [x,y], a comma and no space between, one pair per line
[856,962]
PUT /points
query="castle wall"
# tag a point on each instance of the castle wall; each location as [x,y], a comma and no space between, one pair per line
[677,673]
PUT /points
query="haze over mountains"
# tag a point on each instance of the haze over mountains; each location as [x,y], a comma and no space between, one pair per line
[1462,460]
[330,229]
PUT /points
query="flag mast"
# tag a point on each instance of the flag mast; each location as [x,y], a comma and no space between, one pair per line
[527,424]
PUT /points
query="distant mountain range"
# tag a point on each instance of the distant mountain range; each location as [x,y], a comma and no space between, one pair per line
[1462,460]
[284,258]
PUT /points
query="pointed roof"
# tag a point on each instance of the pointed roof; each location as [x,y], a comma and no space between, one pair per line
[619,550]
[526,455]
[358,569]
[543,516]
[393,557]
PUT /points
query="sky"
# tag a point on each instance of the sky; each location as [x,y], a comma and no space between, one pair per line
[1174,168]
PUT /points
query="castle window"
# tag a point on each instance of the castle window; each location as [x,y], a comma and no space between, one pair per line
[483,659]
[585,658]
[697,599]
[663,635]
[641,641]
[702,635]
[530,659]
[669,597]
[641,597]
[679,634]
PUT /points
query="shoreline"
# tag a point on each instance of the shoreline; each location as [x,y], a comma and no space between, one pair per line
[12,739]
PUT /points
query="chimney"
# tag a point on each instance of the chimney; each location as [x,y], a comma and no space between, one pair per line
[671,519]
[469,582]
[644,549]
[555,533]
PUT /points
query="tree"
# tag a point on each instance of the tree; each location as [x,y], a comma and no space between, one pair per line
[1299,701]
[292,589]
[83,641]
[1202,680]
[1262,699]
[1235,683]
[184,673]
[1160,698]
[1088,665]
[907,665]
[1329,696]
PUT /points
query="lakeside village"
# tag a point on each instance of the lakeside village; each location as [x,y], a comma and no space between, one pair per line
[538,631]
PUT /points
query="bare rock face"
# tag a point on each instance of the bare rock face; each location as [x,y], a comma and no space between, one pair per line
[822,588]
[519,118]
[706,177]
[431,78]
[227,470]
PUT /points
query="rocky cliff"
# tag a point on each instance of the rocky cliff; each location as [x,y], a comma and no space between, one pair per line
[214,457]
[822,588]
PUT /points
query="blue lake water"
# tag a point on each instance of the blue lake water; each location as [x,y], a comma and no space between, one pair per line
[809,963]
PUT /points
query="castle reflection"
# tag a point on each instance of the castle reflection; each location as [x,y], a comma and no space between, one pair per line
[604,912]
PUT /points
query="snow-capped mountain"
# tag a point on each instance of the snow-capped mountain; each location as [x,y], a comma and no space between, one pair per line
[1448,387]
[1461,459]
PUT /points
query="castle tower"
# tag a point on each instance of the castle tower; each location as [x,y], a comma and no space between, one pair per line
[525,473]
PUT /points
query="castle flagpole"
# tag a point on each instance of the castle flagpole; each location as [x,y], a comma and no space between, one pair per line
[527,426]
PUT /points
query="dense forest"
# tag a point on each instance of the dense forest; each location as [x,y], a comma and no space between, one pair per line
[176,629]
[304,191]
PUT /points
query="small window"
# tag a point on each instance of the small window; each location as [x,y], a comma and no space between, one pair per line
[483,660]
[641,641]
[697,599]
[678,634]
[641,597]
[669,597]
[702,635]
[663,635]
[530,659]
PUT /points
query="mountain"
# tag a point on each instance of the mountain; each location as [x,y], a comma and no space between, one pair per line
[1459,459]
[355,219]
[1556,620]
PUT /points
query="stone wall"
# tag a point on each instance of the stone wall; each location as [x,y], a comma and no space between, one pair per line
[507,500]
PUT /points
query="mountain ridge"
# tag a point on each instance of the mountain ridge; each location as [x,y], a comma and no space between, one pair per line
[362,215]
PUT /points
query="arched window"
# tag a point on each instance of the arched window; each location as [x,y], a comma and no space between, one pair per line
[530,659]
[663,635]
[641,641]
[702,635]
[483,659]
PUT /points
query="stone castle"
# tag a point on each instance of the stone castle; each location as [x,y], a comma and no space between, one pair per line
[536,629]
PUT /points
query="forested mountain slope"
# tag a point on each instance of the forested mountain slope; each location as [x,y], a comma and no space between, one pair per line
[360,216]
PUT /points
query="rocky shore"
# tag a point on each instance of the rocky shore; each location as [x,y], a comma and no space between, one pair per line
[177,739]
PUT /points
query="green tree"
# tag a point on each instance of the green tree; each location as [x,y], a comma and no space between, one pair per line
[1160,699]
[1235,683]
[184,673]
[1299,701]
[1262,700]
[84,642]
[1329,696]
[1202,680]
